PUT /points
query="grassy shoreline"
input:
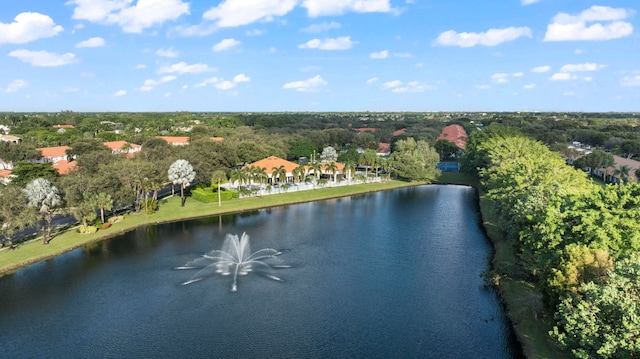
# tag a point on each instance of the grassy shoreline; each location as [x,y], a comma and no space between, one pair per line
[33,251]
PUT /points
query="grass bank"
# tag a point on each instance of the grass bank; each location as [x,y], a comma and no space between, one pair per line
[522,299]
[170,211]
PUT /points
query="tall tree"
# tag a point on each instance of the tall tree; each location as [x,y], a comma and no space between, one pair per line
[603,320]
[328,154]
[218,177]
[15,214]
[280,173]
[332,168]
[181,172]
[104,202]
[45,198]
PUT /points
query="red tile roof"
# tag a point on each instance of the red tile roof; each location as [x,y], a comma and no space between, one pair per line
[216,139]
[64,167]
[58,151]
[5,173]
[384,147]
[270,162]
[399,132]
[175,140]
[118,145]
[456,134]
[63,126]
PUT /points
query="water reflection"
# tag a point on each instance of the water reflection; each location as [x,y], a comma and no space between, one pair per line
[386,275]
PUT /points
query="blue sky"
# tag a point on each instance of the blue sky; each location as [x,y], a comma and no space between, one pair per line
[319,55]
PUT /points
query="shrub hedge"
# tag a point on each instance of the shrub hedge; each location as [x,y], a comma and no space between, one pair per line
[210,195]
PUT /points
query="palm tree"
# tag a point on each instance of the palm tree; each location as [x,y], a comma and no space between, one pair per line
[622,172]
[219,176]
[280,173]
[316,167]
[298,174]
[239,176]
[104,202]
[261,174]
[333,168]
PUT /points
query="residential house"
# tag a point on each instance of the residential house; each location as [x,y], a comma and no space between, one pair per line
[272,162]
[53,154]
[384,149]
[64,167]
[122,147]
[5,176]
[63,126]
[175,140]
[9,138]
[456,134]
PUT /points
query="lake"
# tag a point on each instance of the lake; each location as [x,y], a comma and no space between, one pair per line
[393,274]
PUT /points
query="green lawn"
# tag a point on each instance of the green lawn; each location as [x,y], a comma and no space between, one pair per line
[170,211]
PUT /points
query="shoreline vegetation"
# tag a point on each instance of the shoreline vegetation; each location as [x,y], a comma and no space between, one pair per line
[520,298]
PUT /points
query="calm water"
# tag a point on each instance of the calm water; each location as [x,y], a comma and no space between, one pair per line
[386,275]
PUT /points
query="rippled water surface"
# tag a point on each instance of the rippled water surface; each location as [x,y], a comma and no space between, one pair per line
[386,275]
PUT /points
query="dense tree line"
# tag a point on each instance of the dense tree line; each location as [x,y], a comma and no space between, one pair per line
[578,241]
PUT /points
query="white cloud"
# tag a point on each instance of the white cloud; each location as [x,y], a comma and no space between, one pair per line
[528,2]
[170,52]
[529,86]
[184,68]
[582,67]
[372,80]
[225,85]
[232,13]
[241,78]
[339,43]
[500,78]
[43,58]
[483,87]
[391,84]
[120,93]
[27,27]
[563,76]
[226,44]
[323,26]
[492,37]
[398,86]
[16,85]
[150,84]
[630,81]
[379,55]
[131,18]
[567,27]
[140,66]
[337,7]
[541,69]
[517,74]
[92,42]
[309,85]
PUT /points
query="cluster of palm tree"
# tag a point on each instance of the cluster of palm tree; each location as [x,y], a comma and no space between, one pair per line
[249,176]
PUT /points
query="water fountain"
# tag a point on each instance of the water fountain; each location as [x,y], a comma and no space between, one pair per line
[235,258]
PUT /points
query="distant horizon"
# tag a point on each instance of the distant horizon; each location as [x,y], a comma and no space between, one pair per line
[319,56]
